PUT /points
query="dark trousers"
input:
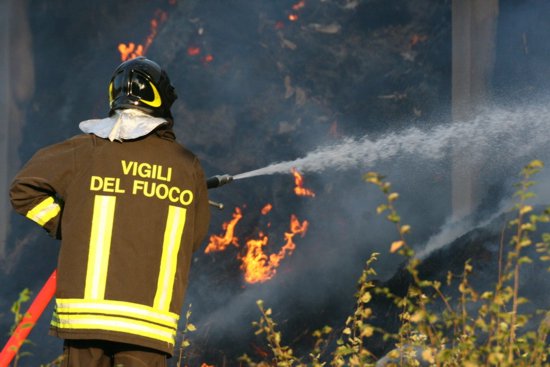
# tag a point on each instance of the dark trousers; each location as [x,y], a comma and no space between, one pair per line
[101,353]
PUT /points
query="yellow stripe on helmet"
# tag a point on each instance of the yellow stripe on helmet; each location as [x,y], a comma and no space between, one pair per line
[156,102]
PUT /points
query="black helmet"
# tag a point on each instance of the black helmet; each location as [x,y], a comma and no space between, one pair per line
[141,83]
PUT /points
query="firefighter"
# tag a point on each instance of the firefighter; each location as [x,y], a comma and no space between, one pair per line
[129,205]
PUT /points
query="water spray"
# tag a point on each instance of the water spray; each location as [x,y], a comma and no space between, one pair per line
[497,132]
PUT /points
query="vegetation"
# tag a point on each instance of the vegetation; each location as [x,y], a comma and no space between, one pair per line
[483,328]
[24,296]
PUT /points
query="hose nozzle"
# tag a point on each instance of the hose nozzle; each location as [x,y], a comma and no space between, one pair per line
[218,180]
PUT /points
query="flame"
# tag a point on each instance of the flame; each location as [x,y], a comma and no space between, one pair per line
[417,38]
[220,243]
[193,50]
[208,58]
[255,263]
[299,5]
[160,17]
[131,51]
[207,365]
[296,7]
[266,209]
[257,266]
[196,51]
[299,181]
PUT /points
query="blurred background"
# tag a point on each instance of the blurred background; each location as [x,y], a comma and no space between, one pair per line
[447,99]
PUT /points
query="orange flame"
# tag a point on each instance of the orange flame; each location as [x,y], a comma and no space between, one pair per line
[208,58]
[266,209]
[220,243]
[257,266]
[160,17]
[299,5]
[131,51]
[207,365]
[293,17]
[193,51]
[299,181]
[417,38]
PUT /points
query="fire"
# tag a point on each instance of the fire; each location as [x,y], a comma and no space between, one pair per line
[299,5]
[417,38]
[160,17]
[255,263]
[299,181]
[220,243]
[196,51]
[266,209]
[207,365]
[296,8]
[257,266]
[295,228]
[208,58]
[193,51]
[132,50]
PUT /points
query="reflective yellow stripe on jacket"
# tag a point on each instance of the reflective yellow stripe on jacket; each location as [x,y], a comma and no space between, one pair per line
[170,248]
[94,312]
[100,244]
[118,316]
[45,211]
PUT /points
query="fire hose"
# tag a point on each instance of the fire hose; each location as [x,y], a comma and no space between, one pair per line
[28,321]
[47,292]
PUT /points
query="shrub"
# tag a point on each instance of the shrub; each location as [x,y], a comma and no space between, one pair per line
[480,328]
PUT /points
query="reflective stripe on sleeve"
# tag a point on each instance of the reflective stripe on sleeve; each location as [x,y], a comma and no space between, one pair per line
[45,211]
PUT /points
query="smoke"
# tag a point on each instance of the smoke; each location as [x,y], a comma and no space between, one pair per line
[344,227]
[274,91]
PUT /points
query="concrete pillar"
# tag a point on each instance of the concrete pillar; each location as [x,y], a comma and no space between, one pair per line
[474,24]
[16,89]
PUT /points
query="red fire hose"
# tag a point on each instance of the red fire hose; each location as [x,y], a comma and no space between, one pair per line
[28,321]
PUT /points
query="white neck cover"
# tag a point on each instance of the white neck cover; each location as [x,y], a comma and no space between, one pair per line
[122,125]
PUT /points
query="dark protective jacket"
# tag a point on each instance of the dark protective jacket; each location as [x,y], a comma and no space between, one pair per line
[129,216]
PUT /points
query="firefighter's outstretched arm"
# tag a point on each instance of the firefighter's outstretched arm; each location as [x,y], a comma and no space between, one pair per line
[37,190]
